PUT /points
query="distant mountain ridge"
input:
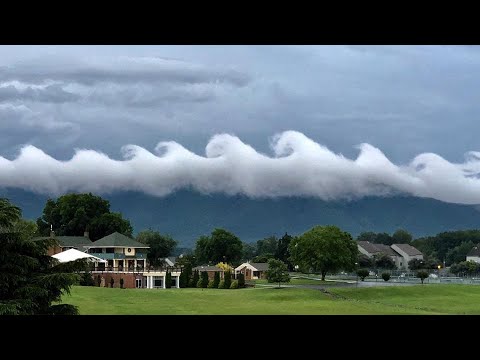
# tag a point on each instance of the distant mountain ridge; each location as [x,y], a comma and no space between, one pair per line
[186,215]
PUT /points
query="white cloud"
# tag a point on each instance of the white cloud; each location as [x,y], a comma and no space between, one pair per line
[299,167]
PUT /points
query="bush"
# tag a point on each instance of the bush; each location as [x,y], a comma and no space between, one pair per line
[182,279]
[228,279]
[121,283]
[385,276]
[234,284]
[362,274]
[221,284]
[211,284]
[241,280]
[204,279]
[199,283]
[195,279]
[216,279]
[168,280]
[112,281]
[422,275]
[87,279]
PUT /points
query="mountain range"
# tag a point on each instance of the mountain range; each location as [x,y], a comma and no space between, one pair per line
[186,215]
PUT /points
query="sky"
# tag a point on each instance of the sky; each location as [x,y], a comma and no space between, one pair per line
[323,121]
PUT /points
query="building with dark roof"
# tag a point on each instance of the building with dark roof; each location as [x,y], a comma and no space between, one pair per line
[66,242]
[401,254]
[252,271]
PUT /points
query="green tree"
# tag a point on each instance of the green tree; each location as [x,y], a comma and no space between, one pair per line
[195,278]
[277,272]
[168,280]
[385,276]
[367,236]
[227,279]
[31,280]
[87,279]
[182,280]
[362,273]
[216,279]
[283,253]
[383,238]
[220,246]
[9,214]
[72,214]
[249,251]
[161,246]
[241,280]
[365,262]
[383,261]
[459,253]
[402,237]
[268,245]
[324,249]
[422,275]
[204,279]
[416,264]
[263,258]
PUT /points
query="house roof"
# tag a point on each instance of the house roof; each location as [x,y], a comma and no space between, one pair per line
[369,247]
[475,251]
[207,268]
[409,249]
[385,249]
[68,241]
[117,240]
[260,266]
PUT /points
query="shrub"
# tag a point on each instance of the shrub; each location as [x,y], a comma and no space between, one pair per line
[121,283]
[204,279]
[234,284]
[195,279]
[221,284]
[422,275]
[362,274]
[199,283]
[168,280]
[216,279]
[99,280]
[211,284]
[228,279]
[385,276]
[87,279]
[241,280]
[182,280]
[112,281]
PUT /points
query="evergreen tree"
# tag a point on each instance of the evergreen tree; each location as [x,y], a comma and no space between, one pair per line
[228,279]
[168,280]
[195,278]
[204,279]
[241,280]
[216,279]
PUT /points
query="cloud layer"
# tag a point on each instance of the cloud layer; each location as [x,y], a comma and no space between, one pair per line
[299,167]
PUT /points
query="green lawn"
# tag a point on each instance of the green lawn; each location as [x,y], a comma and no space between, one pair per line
[295,281]
[416,299]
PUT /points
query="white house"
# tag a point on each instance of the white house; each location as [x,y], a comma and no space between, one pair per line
[408,253]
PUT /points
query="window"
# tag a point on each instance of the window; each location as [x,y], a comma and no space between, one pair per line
[157,282]
[110,250]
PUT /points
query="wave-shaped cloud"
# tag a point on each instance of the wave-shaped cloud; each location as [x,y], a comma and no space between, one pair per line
[299,167]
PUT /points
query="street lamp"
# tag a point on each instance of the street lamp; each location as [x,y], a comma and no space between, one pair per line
[439,267]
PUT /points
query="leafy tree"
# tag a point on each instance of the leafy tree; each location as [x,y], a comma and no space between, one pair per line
[9,214]
[221,245]
[204,279]
[422,275]
[384,238]
[87,279]
[459,253]
[402,237]
[241,280]
[168,280]
[324,249]
[277,272]
[72,214]
[30,280]
[263,258]
[224,266]
[112,281]
[227,279]
[268,245]
[367,236]
[216,279]
[416,264]
[249,251]
[383,261]
[365,262]
[362,273]
[195,278]
[282,250]
[385,276]
[161,246]
[183,260]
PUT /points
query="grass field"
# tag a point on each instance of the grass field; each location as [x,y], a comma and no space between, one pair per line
[295,281]
[416,299]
